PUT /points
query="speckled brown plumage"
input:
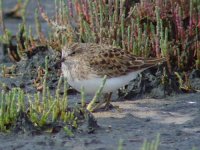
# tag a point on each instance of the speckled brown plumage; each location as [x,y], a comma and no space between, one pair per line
[99,60]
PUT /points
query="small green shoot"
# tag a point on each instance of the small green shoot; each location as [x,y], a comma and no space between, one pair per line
[91,105]
[151,145]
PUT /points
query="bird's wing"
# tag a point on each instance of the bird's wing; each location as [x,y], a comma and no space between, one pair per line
[114,62]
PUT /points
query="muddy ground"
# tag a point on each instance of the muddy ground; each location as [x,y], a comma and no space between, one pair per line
[176,118]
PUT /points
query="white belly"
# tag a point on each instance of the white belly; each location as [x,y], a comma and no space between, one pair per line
[112,84]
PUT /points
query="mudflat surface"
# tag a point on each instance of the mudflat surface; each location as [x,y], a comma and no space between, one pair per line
[175,118]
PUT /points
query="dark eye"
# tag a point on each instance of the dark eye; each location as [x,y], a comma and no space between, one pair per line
[72,53]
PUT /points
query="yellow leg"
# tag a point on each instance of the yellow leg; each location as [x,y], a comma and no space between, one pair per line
[108,100]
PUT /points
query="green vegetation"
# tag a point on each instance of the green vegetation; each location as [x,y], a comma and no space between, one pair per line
[153,145]
[41,110]
[150,28]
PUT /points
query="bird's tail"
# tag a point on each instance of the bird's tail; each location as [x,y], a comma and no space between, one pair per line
[150,62]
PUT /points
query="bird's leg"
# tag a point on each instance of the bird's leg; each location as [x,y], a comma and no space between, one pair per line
[107,100]
[98,105]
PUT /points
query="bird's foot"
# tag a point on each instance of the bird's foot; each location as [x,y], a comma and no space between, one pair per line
[109,106]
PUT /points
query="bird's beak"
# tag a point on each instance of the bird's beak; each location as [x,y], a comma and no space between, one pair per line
[62,60]
[58,63]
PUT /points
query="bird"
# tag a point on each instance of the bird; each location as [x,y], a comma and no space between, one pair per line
[86,64]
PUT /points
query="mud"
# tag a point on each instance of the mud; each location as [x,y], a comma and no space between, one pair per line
[176,119]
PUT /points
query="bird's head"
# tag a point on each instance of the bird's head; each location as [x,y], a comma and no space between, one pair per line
[70,51]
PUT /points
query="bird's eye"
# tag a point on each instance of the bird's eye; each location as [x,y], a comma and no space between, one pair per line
[72,53]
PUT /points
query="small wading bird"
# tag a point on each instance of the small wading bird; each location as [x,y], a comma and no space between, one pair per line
[85,65]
